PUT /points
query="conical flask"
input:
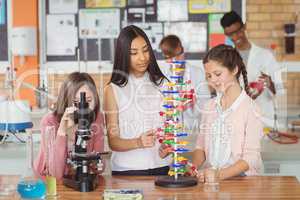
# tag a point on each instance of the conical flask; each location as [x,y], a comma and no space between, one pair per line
[30,186]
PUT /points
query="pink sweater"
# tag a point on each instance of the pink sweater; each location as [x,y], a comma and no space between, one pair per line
[59,154]
[245,127]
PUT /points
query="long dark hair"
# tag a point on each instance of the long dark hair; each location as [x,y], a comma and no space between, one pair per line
[230,58]
[69,89]
[122,57]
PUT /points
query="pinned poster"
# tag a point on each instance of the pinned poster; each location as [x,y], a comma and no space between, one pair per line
[141,10]
[209,6]
[216,32]
[172,10]
[154,31]
[192,34]
[62,38]
[63,6]
[97,23]
[2,12]
[216,39]
[105,3]
[135,14]
[214,25]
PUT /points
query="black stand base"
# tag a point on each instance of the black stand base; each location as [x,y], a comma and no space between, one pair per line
[85,184]
[171,182]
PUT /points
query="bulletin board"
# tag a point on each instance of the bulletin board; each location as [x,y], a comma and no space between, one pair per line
[3,31]
[151,15]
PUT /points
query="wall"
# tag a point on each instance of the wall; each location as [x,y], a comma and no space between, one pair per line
[292,85]
[265,22]
[25,13]
[55,81]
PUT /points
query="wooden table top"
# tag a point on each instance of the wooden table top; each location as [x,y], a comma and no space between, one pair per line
[261,187]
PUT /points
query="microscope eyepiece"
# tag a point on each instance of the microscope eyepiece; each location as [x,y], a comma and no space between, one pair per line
[83,103]
[83,116]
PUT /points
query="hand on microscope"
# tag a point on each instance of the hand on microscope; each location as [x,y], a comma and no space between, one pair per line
[67,121]
[94,168]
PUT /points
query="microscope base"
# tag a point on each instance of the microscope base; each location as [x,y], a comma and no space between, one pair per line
[86,184]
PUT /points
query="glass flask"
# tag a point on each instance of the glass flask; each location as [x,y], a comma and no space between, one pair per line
[211,182]
[50,178]
[30,186]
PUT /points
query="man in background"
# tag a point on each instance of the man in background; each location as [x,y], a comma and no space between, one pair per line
[260,63]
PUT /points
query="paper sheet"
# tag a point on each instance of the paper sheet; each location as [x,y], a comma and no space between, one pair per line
[192,34]
[62,38]
[154,31]
[216,33]
[214,25]
[172,10]
[134,14]
[99,23]
[63,6]
[105,3]
[209,6]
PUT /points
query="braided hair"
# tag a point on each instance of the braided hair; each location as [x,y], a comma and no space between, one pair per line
[229,57]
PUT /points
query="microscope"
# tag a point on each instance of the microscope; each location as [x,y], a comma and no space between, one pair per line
[81,163]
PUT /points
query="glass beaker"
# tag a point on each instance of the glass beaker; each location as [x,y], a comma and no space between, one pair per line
[50,136]
[8,186]
[211,182]
[29,186]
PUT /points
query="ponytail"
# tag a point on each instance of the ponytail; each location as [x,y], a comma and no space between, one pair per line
[243,70]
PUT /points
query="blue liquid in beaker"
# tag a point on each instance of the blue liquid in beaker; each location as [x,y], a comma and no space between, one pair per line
[32,189]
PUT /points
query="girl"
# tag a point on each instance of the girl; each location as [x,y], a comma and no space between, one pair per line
[231,129]
[132,103]
[62,121]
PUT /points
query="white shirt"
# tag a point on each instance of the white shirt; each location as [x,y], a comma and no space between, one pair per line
[192,116]
[139,103]
[262,60]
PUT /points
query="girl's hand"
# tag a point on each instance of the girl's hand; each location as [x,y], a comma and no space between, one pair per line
[67,121]
[196,173]
[193,172]
[201,176]
[147,139]
[209,175]
[94,168]
[163,150]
